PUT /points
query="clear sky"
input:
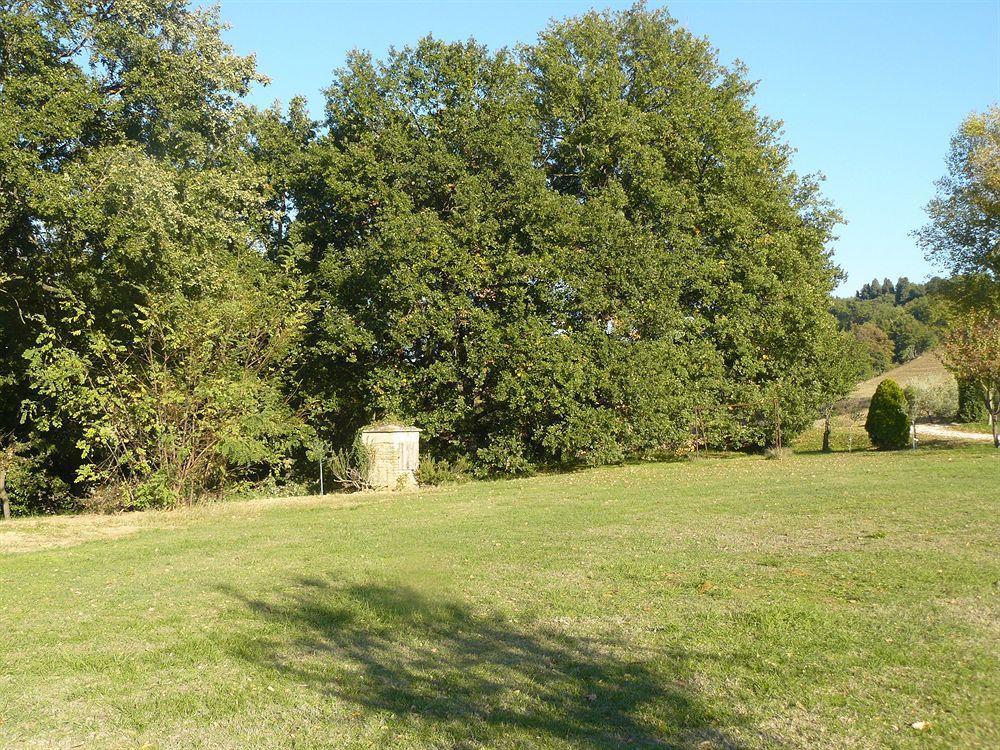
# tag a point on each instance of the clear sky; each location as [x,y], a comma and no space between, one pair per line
[870,92]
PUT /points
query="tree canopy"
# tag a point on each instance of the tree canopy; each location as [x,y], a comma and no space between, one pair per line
[130,209]
[964,228]
[895,322]
[542,257]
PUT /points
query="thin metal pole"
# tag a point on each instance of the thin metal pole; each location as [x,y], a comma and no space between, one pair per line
[777,423]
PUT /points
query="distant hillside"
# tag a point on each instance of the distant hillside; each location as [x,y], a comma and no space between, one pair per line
[896,322]
[925,367]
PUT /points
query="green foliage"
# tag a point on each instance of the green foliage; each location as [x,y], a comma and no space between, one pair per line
[875,345]
[186,401]
[932,399]
[971,402]
[138,322]
[888,422]
[350,467]
[964,227]
[895,322]
[547,257]
[31,487]
[441,471]
[972,353]
[507,251]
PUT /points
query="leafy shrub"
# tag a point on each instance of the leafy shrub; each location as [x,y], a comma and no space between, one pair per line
[888,422]
[504,455]
[350,467]
[30,487]
[932,399]
[187,398]
[271,487]
[971,405]
[434,472]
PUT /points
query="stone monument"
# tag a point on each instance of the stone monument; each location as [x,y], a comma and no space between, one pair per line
[394,455]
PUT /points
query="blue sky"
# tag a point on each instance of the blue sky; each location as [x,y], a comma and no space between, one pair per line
[870,93]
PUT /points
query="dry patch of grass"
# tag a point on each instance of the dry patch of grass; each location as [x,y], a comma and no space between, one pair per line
[22,535]
[33,535]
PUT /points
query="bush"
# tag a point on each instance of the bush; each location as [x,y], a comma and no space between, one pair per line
[888,424]
[31,488]
[932,399]
[184,400]
[432,472]
[350,467]
[971,405]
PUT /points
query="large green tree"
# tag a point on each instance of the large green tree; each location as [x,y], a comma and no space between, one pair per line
[551,257]
[964,228]
[128,189]
[963,233]
[456,288]
[640,119]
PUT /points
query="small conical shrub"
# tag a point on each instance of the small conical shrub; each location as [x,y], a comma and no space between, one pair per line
[888,424]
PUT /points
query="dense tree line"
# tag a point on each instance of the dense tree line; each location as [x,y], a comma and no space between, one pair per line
[542,257]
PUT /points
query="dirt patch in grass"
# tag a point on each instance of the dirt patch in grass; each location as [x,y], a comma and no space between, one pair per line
[34,535]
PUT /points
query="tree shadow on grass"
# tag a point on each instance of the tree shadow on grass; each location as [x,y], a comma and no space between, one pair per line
[469,680]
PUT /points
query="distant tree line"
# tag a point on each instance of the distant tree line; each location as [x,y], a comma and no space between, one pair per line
[901,291]
[545,257]
[895,322]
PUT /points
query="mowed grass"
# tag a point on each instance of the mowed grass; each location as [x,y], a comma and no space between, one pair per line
[814,601]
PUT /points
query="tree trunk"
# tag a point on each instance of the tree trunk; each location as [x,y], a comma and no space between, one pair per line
[993,408]
[3,496]
[826,433]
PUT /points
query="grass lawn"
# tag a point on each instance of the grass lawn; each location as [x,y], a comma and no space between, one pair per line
[816,601]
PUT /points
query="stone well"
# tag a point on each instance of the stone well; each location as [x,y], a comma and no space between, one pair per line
[395,455]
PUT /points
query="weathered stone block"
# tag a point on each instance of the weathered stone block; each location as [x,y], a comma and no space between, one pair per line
[394,452]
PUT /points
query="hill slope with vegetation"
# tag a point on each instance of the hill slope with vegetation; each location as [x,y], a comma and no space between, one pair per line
[925,369]
[894,322]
